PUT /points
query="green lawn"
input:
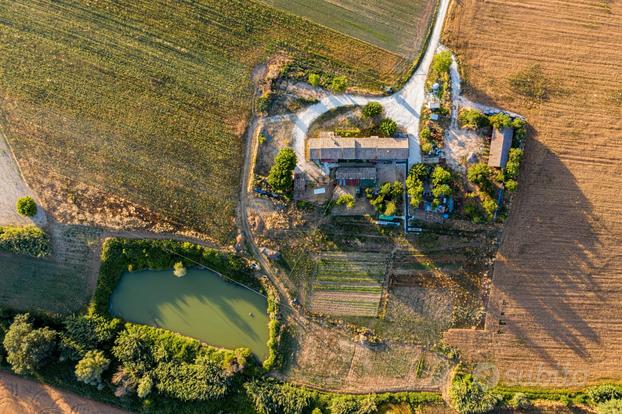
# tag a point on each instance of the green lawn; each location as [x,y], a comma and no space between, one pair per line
[395,25]
[148,99]
[58,283]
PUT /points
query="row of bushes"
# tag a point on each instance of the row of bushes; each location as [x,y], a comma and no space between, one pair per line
[27,240]
[123,255]
[467,395]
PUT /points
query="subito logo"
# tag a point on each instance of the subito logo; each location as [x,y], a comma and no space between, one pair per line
[487,374]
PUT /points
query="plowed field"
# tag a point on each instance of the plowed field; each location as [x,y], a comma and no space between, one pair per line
[554,315]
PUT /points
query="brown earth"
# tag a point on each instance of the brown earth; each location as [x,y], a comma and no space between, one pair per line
[557,287]
[21,396]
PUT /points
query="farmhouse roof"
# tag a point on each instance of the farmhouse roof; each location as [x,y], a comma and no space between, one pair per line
[331,147]
[356,173]
[500,147]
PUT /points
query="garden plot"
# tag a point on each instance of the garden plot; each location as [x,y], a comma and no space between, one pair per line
[349,283]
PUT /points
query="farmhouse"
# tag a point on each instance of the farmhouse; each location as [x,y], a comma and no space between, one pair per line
[500,147]
[329,148]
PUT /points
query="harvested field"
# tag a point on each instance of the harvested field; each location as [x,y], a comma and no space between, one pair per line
[147,100]
[349,283]
[553,318]
[396,25]
[22,396]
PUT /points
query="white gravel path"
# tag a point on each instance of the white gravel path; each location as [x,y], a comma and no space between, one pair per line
[404,106]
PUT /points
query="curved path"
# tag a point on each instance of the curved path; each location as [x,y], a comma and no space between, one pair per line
[403,106]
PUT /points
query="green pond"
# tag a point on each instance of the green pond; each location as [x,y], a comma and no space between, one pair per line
[201,305]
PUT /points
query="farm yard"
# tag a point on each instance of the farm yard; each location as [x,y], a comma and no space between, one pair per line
[556,281]
[398,26]
[146,101]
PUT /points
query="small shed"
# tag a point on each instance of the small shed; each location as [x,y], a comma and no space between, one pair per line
[500,145]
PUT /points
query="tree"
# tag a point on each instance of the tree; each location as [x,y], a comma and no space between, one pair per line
[26,206]
[519,401]
[280,177]
[28,349]
[479,173]
[272,397]
[489,205]
[90,368]
[440,176]
[414,183]
[339,84]
[513,165]
[472,119]
[372,109]
[390,208]
[179,270]
[441,62]
[442,190]
[86,332]
[605,392]
[314,79]
[500,120]
[468,396]
[388,127]
[345,199]
[610,407]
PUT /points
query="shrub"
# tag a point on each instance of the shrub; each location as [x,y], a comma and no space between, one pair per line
[27,240]
[511,185]
[426,147]
[605,392]
[610,407]
[263,103]
[272,397]
[472,119]
[389,192]
[280,177]
[145,385]
[179,270]
[390,209]
[500,120]
[314,79]
[479,173]
[345,199]
[441,62]
[201,380]
[519,401]
[26,206]
[372,109]
[468,396]
[489,205]
[90,368]
[388,127]
[531,83]
[442,190]
[339,84]
[28,349]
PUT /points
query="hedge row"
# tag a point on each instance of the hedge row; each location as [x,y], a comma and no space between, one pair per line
[26,240]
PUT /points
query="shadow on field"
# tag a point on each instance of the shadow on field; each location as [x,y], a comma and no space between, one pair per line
[544,269]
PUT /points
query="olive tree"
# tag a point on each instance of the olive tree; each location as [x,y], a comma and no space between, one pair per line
[28,349]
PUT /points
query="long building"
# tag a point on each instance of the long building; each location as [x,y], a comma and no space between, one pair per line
[500,145]
[332,148]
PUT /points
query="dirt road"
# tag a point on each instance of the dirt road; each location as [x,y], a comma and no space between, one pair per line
[21,396]
[404,106]
[12,187]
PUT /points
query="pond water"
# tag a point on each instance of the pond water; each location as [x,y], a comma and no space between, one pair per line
[201,305]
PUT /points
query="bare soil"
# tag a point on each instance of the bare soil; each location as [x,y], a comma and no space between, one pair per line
[21,396]
[553,317]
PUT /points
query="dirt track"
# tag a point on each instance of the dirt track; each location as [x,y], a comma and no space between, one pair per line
[21,396]
[554,316]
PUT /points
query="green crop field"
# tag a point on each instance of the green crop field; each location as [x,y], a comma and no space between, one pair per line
[349,283]
[147,99]
[58,283]
[399,26]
